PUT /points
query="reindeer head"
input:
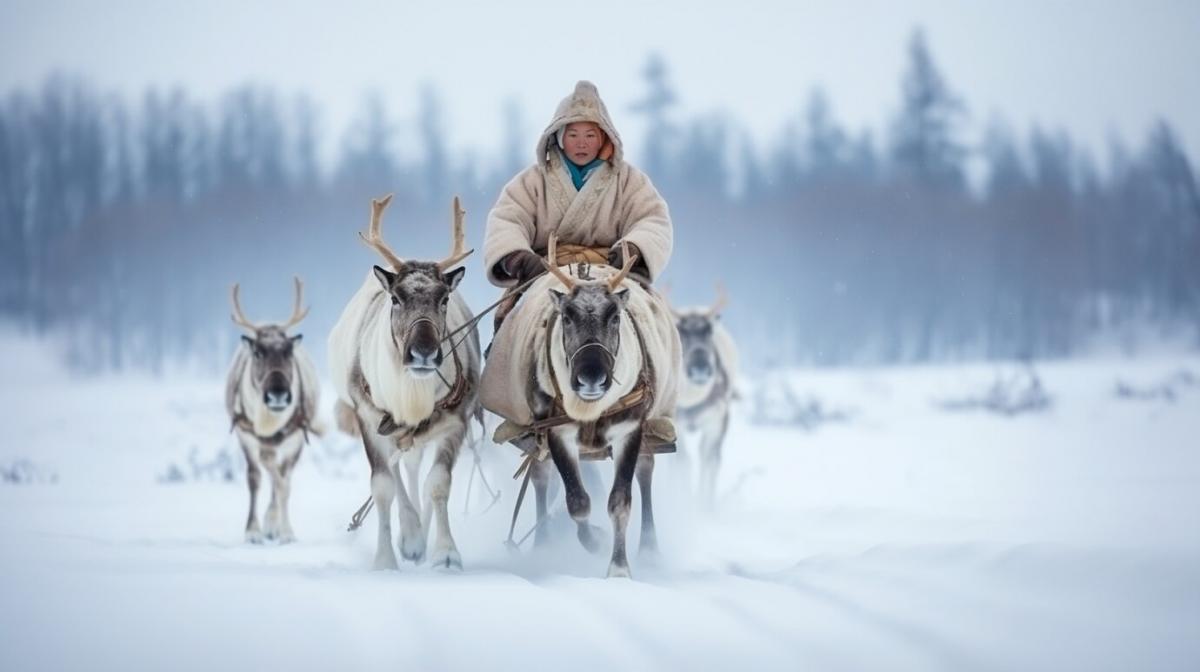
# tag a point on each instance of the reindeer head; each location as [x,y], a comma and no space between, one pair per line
[272,366]
[419,292]
[696,338]
[590,316]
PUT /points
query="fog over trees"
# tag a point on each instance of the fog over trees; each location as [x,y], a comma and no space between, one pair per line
[123,222]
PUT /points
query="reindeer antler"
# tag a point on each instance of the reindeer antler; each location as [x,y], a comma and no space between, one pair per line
[551,264]
[617,279]
[664,292]
[374,239]
[460,240]
[298,314]
[721,302]
[239,318]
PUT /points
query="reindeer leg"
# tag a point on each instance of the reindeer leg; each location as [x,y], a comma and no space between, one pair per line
[541,487]
[713,435]
[437,484]
[682,482]
[286,466]
[579,505]
[412,533]
[253,479]
[412,468]
[619,501]
[648,547]
[270,462]
[383,489]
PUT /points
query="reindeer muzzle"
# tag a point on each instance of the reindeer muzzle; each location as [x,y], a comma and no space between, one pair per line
[423,354]
[277,392]
[699,367]
[591,371]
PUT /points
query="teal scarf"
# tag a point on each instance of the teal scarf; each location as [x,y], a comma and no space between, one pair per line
[579,174]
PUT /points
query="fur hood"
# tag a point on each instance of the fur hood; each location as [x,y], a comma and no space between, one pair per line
[583,104]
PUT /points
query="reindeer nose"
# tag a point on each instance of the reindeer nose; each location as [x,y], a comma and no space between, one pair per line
[277,399]
[699,373]
[591,385]
[424,358]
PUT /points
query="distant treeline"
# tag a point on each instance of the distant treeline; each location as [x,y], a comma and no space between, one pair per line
[122,223]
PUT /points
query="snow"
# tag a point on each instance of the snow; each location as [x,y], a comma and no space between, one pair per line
[905,538]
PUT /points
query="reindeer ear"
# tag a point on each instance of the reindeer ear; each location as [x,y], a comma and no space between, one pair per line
[385,278]
[622,297]
[559,298]
[296,339]
[454,277]
[248,341]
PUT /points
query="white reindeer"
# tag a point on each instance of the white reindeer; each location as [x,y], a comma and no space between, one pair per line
[403,387]
[271,395]
[709,370]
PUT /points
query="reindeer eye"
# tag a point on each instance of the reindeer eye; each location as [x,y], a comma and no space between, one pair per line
[395,301]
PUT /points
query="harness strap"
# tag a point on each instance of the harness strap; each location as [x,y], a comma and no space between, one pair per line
[298,422]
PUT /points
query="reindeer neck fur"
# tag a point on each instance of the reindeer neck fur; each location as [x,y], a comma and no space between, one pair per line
[691,394]
[626,373]
[263,420]
[408,399]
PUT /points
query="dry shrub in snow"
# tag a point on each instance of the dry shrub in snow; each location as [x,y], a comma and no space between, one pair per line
[776,403]
[1013,393]
[1168,390]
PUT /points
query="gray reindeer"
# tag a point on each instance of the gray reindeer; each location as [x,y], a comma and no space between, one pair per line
[709,370]
[601,369]
[403,389]
[271,395]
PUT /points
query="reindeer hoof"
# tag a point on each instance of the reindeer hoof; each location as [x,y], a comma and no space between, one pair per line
[254,537]
[589,537]
[649,555]
[616,571]
[412,548]
[286,537]
[385,562]
[447,558]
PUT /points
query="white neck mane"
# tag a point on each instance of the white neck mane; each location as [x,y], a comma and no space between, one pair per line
[394,390]
[265,421]
[691,394]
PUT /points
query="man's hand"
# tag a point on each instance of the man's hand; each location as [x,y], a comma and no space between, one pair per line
[523,265]
[616,259]
[640,271]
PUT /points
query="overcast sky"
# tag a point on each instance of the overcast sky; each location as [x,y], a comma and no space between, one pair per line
[1094,68]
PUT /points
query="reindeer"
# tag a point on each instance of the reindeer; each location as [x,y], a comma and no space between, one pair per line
[271,395]
[601,370]
[706,388]
[403,386]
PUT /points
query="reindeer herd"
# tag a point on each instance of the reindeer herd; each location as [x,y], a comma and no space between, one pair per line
[609,364]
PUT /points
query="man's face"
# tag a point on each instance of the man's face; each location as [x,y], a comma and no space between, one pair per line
[581,142]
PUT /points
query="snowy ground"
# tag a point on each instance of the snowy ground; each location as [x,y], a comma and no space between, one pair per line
[908,538]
